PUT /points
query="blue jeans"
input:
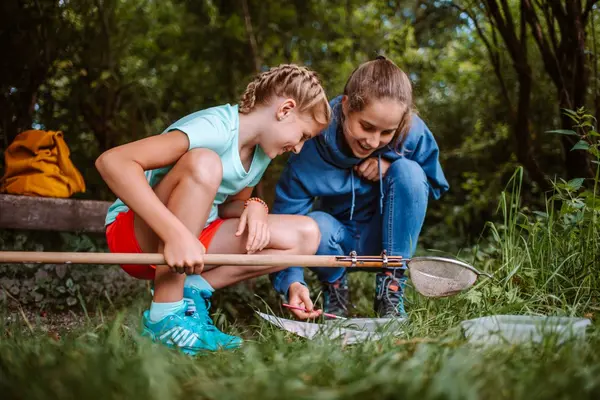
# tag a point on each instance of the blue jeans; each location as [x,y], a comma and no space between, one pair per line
[396,230]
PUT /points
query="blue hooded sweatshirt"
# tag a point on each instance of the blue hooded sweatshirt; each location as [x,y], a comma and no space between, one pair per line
[324,169]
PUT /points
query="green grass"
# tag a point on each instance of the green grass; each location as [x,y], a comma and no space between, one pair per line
[544,263]
[111,361]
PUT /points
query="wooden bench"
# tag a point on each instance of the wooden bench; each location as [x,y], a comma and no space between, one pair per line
[52,214]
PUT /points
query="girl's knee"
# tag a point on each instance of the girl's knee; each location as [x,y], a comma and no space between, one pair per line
[331,231]
[408,174]
[203,166]
[309,236]
[327,224]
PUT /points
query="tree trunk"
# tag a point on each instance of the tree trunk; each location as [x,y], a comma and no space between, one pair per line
[515,39]
[259,191]
[251,37]
[521,131]
[572,92]
[565,63]
[21,104]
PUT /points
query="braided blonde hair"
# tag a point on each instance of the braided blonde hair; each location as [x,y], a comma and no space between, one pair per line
[288,80]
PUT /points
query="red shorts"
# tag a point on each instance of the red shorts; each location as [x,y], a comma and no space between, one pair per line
[120,236]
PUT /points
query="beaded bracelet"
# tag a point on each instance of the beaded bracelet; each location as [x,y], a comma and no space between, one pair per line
[258,200]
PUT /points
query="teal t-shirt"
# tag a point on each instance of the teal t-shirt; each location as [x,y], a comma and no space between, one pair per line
[215,128]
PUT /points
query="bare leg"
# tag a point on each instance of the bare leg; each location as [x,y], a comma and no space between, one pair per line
[188,190]
[290,234]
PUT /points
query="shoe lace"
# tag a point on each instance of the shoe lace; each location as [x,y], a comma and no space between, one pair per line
[390,299]
[204,318]
[337,296]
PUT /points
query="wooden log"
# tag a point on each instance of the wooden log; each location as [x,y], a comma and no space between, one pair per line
[52,214]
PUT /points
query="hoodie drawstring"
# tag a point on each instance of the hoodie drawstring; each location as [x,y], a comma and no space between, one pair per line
[353,195]
[380,187]
[381,195]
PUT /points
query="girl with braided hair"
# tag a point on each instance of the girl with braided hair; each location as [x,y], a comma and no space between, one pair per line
[373,170]
[187,191]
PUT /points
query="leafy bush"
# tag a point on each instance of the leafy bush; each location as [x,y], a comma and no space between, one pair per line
[62,286]
[543,261]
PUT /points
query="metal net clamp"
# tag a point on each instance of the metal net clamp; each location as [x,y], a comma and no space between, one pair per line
[358,261]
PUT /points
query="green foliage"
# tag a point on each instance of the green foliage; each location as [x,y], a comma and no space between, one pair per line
[108,72]
[61,287]
[584,127]
[543,261]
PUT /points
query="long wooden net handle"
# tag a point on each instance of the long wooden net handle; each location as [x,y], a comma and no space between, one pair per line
[209,259]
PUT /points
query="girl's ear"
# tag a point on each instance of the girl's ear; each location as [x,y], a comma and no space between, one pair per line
[285,108]
[345,105]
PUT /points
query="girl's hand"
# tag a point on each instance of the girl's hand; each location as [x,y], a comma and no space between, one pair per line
[369,168]
[299,296]
[259,236]
[185,254]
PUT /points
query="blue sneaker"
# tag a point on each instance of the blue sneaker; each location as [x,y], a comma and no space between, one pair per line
[178,330]
[389,300]
[198,306]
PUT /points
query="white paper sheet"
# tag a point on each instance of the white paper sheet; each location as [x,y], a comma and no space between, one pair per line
[334,329]
[389,325]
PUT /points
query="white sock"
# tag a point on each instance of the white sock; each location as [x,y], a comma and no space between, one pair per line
[198,282]
[160,310]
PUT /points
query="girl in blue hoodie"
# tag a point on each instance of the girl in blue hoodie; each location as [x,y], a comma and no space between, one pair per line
[366,181]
